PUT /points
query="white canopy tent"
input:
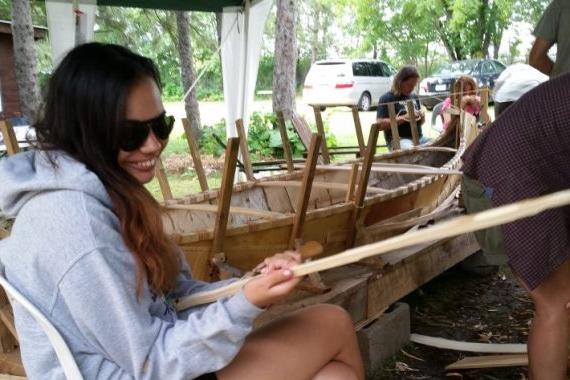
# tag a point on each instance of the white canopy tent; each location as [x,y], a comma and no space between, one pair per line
[72,22]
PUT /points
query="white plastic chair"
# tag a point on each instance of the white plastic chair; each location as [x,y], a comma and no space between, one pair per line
[63,353]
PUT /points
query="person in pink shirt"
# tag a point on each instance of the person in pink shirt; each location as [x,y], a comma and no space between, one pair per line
[470,101]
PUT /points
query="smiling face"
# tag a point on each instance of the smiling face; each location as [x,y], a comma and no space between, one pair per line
[143,103]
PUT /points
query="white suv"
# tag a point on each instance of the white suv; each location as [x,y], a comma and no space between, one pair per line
[347,82]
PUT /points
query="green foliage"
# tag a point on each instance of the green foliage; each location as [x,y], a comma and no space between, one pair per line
[259,134]
[208,144]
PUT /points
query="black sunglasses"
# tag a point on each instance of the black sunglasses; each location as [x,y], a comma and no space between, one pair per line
[134,133]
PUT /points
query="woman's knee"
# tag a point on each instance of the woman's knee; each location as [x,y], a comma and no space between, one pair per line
[329,316]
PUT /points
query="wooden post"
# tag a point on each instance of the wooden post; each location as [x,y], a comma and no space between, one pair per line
[352,182]
[413,121]
[321,131]
[305,192]
[362,185]
[393,127]
[248,169]
[194,151]
[163,180]
[358,127]
[285,140]
[9,137]
[485,105]
[225,196]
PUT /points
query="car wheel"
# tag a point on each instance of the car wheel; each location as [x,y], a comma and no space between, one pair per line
[365,102]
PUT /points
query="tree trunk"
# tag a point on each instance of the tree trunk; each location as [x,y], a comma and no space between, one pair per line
[285,58]
[315,36]
[187,71]
[25,58]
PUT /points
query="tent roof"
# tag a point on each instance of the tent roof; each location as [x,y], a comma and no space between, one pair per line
[188,5]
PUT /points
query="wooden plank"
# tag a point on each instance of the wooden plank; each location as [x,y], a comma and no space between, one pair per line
[490,361]
[352,182]
[7,317]
[395,168]
[8,337]
[9,137]
[484,348]
[195,153]
[11,377]
[485,104]
[305,193]
[321,131]
[225,195]
[362,185]
[413,121]
[285,140]
[11,363]
[358,127]
[244,150]
[3,233]
[394,127]
[232,210]
[319,185]
[163,181]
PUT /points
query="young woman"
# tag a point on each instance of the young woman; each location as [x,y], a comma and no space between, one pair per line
[470,101]
[525,153]
[403,85]
[88,249]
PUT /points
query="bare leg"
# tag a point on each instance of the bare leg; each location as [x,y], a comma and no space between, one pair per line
[548,338]
[314,343]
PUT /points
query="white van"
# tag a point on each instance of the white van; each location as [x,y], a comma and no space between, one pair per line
[347,82]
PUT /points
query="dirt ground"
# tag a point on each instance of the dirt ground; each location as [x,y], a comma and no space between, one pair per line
[468,307]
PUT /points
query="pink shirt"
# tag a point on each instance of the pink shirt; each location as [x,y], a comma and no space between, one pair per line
[471,108]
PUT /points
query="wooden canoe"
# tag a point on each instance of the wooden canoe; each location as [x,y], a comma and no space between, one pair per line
[262,212]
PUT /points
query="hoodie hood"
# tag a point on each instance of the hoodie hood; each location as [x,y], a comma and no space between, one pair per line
[28,174]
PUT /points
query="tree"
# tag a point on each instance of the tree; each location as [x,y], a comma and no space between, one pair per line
[285,58]
[187,71]
[25,57]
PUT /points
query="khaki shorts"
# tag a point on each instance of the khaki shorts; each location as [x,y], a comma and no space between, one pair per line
[477,199]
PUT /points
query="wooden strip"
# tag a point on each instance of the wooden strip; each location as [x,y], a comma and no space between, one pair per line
[319,185]
[9,137]
[352,182]
[244,150]
[195,153]
[3,233]
[358,127]
[7,317]
[413,121]
[390,169]
[321,131]
[225,195]
[490,361]
[305,193]
[232,210]
[11,377]
[484,348]
[485,104]
[394,127]
[11,363]
[285,140]
[163,181]
[456,226]
[436,149]
[362,185]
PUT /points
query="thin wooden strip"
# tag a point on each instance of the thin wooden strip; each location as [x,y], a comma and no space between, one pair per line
[413,122]
[225,195]
[285,140]
[435,149]
[490,361]
[456,226]
[195,153]
[3,233]
[10,140]
[352,182]
[319,185]
[391,169]
[358,128]
[232,210]
[248,169]
[394,127]
[485,348]
[305,193]
[163,181]
[321,131]
[7,317]
[485,104]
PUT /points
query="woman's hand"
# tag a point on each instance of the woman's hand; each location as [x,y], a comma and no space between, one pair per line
[276,280]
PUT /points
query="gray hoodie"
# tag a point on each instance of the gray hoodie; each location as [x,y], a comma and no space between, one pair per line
[66,255]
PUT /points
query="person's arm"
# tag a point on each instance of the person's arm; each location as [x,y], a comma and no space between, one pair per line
[142,336]
[538,56]
[382,115]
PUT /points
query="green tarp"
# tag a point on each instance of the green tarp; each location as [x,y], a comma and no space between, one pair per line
[188,5]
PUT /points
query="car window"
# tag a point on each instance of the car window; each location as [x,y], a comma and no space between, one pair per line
[488,69]
[361,69]
[376,69]
[456,68]
[386,72]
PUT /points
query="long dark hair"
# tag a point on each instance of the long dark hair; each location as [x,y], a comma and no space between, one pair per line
[85,107]
[405,73]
